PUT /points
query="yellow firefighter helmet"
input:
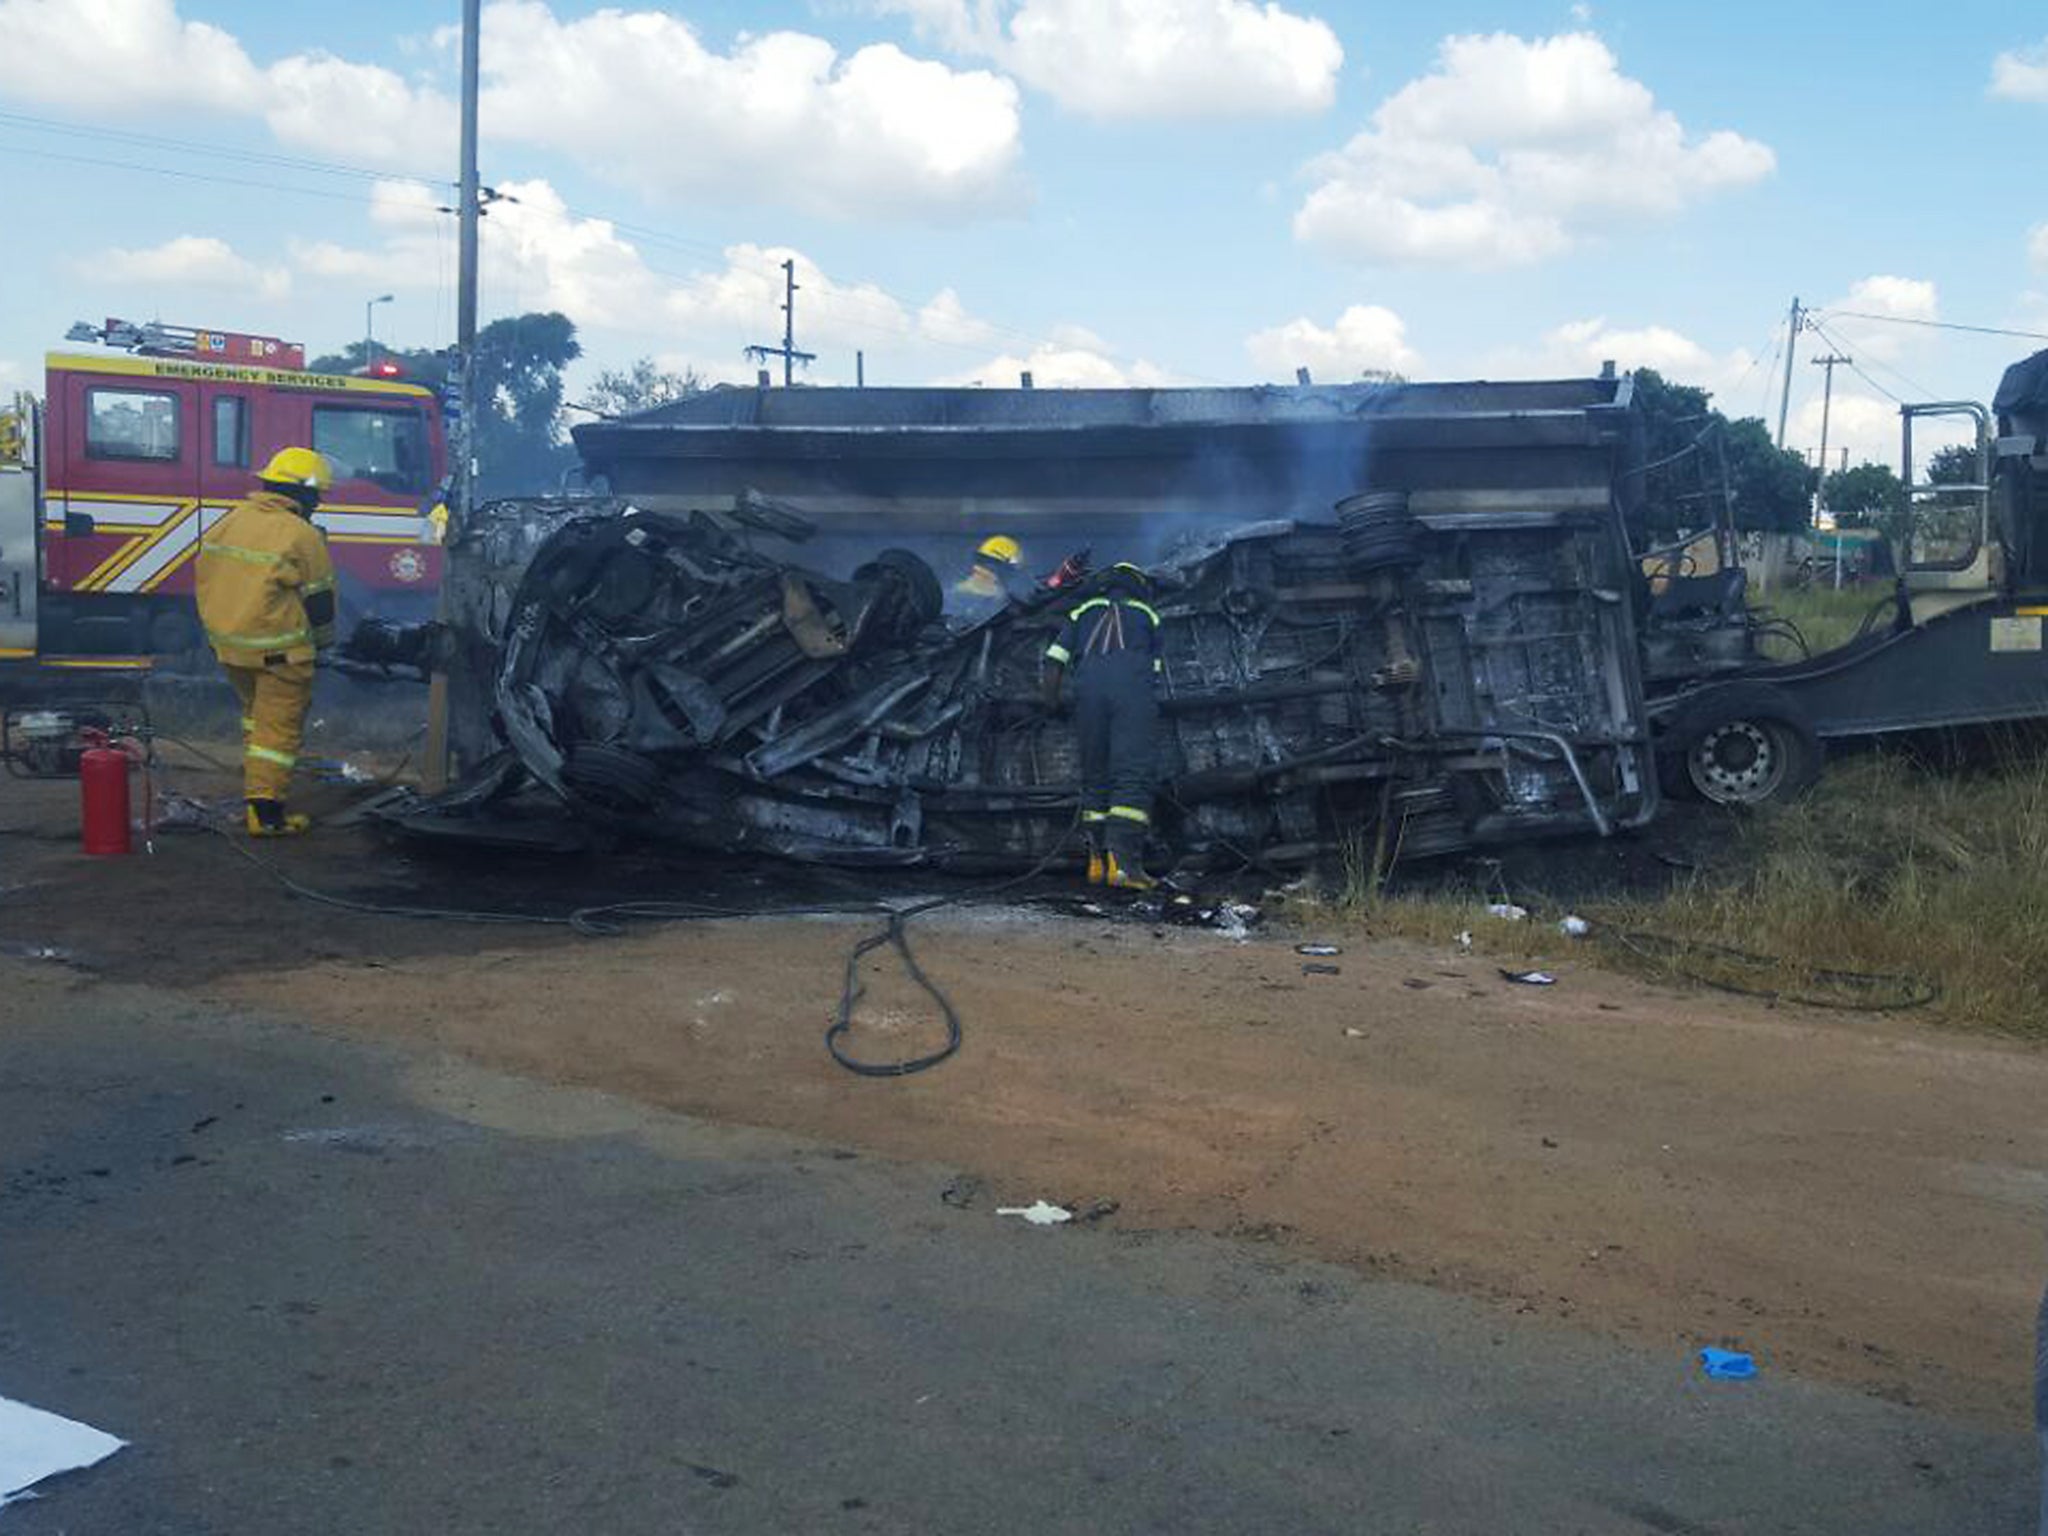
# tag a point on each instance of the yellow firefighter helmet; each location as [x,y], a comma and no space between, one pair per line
[298,467]
[1002,548]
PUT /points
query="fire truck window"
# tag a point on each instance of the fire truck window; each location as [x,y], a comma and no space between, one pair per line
[386,448]
[131,424]
[231,431]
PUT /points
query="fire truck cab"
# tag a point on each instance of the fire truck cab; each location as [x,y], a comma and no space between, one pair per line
[106,486]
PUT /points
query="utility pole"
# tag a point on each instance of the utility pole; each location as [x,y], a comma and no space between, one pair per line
[787,351]
[1791,346]
[1820,495]
[370,332]
[444,737]
[468,208]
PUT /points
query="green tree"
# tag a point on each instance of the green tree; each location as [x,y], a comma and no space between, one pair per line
[1868,496]
[640,387]
[521,447]
[1685,443]
[1954,465]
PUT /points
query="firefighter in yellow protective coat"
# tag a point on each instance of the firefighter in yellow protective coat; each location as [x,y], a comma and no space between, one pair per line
[266,597]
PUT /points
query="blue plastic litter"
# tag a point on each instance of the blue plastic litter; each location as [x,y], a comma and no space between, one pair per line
[1727,1364]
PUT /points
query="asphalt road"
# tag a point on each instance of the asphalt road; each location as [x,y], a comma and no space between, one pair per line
[327,1288]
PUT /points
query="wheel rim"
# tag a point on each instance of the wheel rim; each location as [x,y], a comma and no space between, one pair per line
[1739,763]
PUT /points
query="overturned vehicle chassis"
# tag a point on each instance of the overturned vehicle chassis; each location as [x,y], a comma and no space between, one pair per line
[1405,679]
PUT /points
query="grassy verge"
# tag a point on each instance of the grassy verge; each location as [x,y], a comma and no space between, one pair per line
[1826,617]
[1887,869]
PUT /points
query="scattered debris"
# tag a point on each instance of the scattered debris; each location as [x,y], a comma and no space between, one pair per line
[35,1445]
[1506,911]
[1727,1364]
[1417,984]
[1529,978]
[1319,951]
[1095,1210]
[961,1192]
[1574,927]
[335,770]
[1464,939]
[1039,1213]
[1353,1032]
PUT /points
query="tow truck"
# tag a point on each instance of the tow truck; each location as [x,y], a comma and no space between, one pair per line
[108,481]
[1958,642]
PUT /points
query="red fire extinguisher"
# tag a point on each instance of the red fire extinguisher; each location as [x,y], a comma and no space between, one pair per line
[103,799]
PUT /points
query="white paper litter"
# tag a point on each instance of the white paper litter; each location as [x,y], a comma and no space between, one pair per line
[1039,1213]
[1574,926]
[1507,911]
[35,1445]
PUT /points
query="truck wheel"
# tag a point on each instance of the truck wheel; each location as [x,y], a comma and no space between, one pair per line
[1744,744]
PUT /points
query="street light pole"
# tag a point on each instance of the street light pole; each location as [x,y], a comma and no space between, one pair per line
[370,330]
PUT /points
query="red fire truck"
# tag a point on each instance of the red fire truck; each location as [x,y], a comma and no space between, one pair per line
[106,485]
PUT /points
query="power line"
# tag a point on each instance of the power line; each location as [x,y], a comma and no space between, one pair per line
[1937,325]
[184,175]
[897,311]
[1920,390]
[213,151]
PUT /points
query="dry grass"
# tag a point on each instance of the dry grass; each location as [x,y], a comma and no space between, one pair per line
[1895,869]
[1937,879]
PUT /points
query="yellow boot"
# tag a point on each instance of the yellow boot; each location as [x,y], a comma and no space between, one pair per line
[1127,877]
[269,818]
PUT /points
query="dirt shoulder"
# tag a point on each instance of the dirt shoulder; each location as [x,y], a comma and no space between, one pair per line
[1856,1201]
[1857,1198]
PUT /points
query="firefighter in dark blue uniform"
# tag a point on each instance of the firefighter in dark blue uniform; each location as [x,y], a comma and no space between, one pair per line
[1110,644]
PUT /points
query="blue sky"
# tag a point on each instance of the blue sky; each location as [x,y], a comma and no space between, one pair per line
[1104,190]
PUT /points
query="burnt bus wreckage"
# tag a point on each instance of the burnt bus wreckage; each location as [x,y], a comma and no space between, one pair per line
[1444,658]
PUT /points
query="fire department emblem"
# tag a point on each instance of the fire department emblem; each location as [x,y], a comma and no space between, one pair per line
[407,565]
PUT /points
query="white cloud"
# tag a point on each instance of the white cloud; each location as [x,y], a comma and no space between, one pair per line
[1054,365]
[782,117]
[2037,246]
[635,96]
[1365,337]
[1892,299]
[189,261]
[2021,73]
[1580,348]
[1512,151]
[362,113]
[1863,426]
[129,56]
[1147,58]
[135,58]
[539,254]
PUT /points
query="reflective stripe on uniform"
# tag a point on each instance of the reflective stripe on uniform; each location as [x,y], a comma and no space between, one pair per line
[1059,653]
[1145,608]
[271,755]
[260,642]
[237,552]
[248,724]
[1095,815]
[1089,607]
[1130,813]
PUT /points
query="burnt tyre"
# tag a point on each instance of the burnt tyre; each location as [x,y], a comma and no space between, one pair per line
[1747,744]
[612,779]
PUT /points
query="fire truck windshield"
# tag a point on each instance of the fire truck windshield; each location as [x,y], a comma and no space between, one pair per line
[386,447]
